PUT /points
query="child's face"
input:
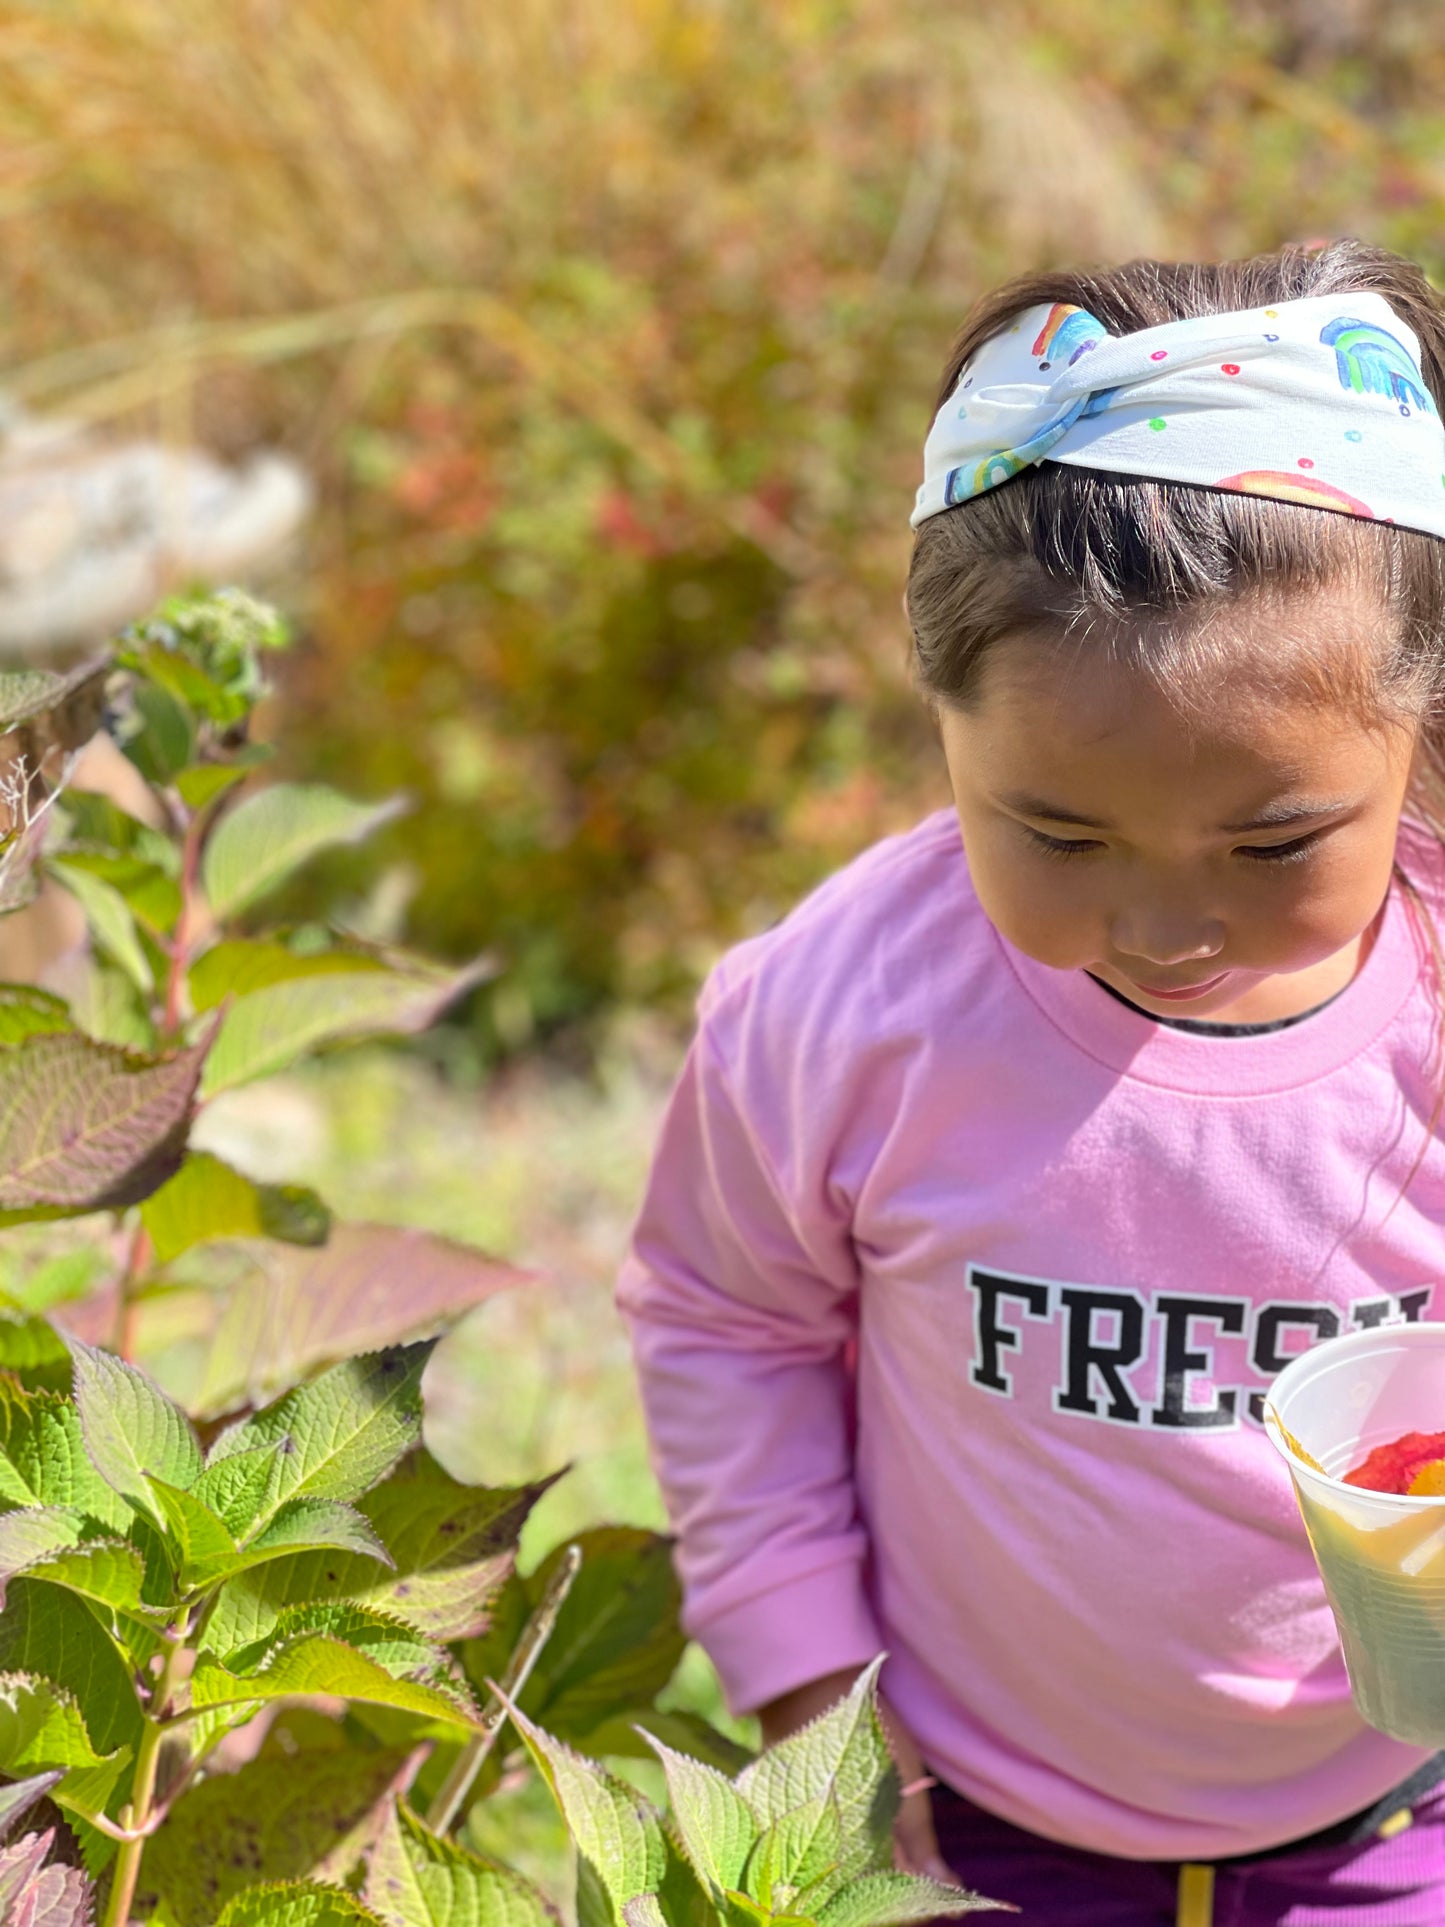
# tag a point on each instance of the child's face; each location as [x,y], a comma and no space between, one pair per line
[1225,864]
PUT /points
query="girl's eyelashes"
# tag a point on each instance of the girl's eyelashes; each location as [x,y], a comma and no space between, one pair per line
[1061,846]
[1295,851]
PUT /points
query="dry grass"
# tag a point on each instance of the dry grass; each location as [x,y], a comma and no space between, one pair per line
[167,164]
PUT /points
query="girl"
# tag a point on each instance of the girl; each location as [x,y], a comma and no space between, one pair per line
[1004,1174]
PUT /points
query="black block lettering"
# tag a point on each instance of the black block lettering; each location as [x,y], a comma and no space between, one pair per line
[1270,1324]
[1410,1306]
[1183,1361]
[1086,1353]
[990,1334]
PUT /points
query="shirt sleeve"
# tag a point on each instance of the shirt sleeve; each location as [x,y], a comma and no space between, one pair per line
[741,1305]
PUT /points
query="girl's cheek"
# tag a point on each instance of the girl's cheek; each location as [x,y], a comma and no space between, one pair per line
[1039,909]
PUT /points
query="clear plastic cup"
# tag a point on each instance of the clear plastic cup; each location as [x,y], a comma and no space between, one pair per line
[1382,1557]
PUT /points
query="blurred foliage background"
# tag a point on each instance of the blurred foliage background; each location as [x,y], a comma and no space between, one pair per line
[610,329]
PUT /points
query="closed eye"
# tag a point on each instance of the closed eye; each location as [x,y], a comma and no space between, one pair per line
[1295,851]
[1060,845]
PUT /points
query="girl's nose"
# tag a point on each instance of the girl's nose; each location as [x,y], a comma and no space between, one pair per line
[1150,938]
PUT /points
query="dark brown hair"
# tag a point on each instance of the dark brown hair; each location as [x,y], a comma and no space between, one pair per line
[1125,562]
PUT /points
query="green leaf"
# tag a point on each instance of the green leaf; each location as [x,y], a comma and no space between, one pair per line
[110,919]
[240,965]
[237,1488]
[311,1525]
[453,1548]
[157,736]
[108,1571]
[96,822]
[302,1525]
[645,1911]
[316,1663]
[62,1278]
[41,1726]
[269,1029]
[150,891]
[206,1199]
[106,1005]
[211,1555]
[295,1905]
[799,1849]
[717,1826]
[617,1640]
[453,1544]
[844,1753]
[879,1899]
[304,1817]
[202,783]
[293,1310]
[27,1012]
[622,1850]
[49,1543]
[84,1127]
[345,1430]
[43,1460]
[132,1429]
[271,834]
[32,1351]
[53,1633]
[739,1911]
[416,1879]
[396,1647]
[185,680]
[200,1538]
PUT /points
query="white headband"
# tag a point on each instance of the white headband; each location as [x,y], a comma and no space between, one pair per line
[1319,401]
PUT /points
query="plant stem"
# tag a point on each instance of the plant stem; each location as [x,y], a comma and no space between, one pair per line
[143,1786]
[180,941]
[535,1634]
[137,1253]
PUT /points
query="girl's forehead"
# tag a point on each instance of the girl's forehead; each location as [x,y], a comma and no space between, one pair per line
[1298,668]
[1092,726]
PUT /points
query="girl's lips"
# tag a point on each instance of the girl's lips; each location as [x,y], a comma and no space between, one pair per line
[1190,990]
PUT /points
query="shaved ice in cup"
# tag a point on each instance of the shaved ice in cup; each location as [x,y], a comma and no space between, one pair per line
[1342,1415]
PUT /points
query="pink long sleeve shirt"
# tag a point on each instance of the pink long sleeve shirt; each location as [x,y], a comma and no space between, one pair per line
[1073,1247]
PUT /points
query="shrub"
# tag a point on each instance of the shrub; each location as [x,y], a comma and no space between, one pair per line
[160,1592]
[297,1558]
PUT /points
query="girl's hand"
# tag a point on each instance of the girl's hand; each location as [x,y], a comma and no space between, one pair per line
[915,1845]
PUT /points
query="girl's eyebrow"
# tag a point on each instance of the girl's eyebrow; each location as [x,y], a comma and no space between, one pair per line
[1022,805]
[1276,816]
[1272,816]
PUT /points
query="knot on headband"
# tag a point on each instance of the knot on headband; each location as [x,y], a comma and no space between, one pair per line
[1319,401]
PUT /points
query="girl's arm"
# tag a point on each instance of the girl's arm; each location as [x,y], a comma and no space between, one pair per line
[740,1293]
[739,1290]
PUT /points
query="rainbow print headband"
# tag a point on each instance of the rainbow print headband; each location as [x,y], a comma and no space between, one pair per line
[1319,401]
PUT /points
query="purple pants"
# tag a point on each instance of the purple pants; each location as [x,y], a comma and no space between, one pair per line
[1397,1881]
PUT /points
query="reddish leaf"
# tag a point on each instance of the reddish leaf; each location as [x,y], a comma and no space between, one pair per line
[34,1895]
[369,1287]
[86,1127]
